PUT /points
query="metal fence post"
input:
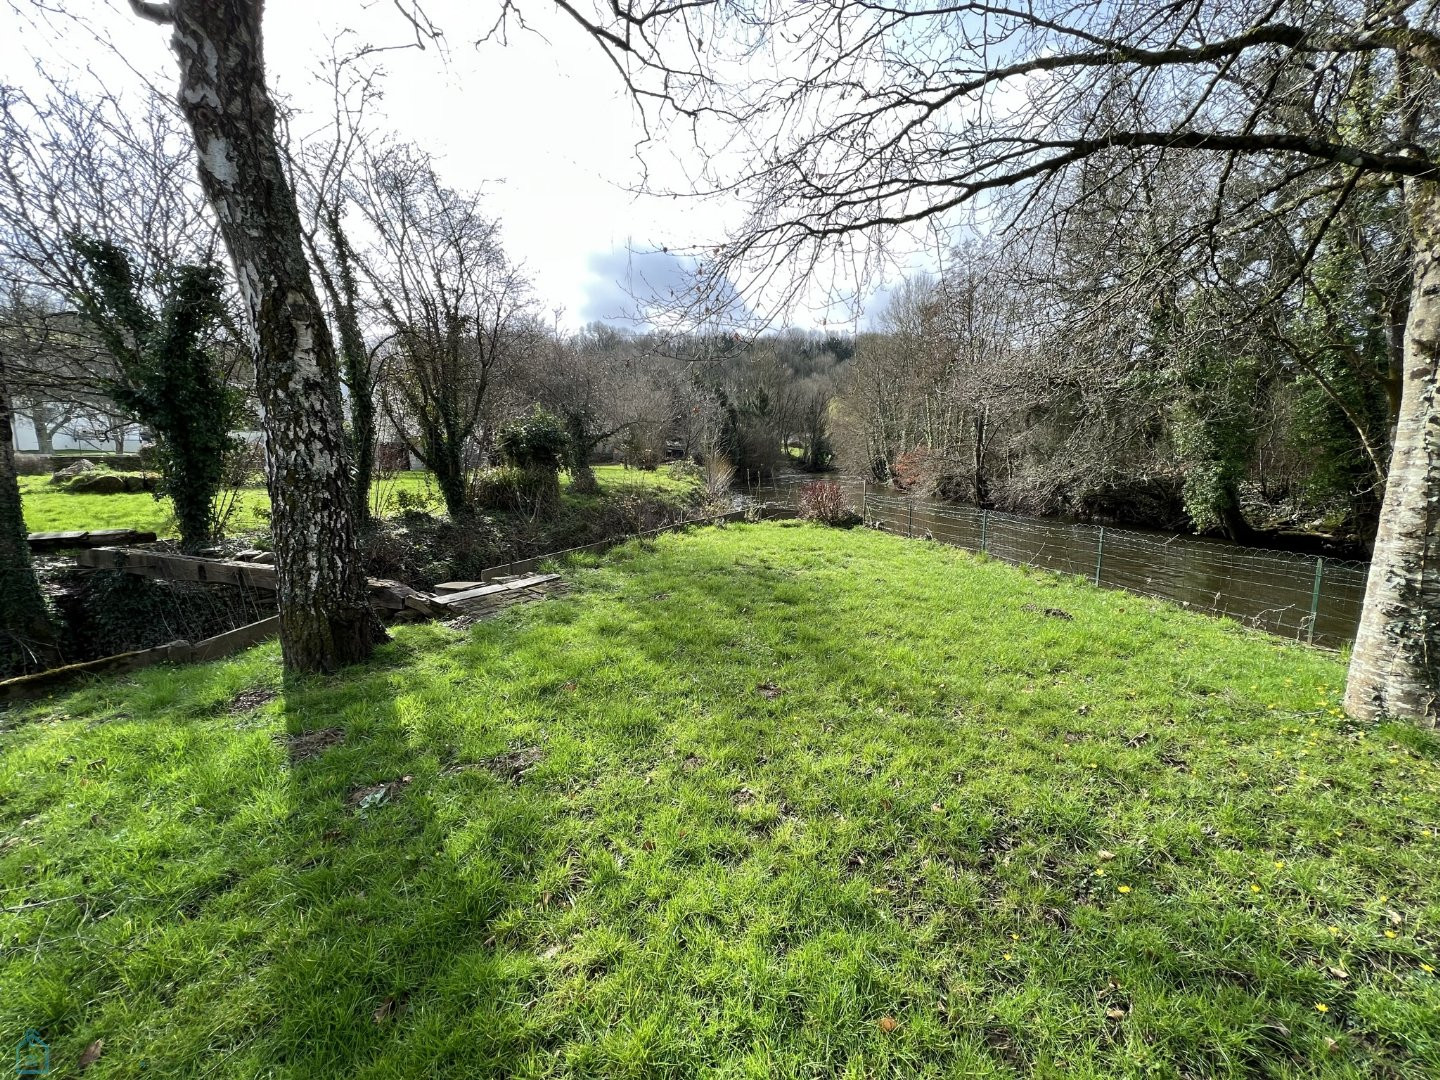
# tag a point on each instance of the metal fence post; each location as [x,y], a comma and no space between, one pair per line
[910,520]
[1099,554]
[1315,599]
[984,526]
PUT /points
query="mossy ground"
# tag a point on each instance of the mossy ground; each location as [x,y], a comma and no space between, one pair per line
[760,801]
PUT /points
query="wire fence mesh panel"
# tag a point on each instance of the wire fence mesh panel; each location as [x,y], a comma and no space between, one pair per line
[1298,596]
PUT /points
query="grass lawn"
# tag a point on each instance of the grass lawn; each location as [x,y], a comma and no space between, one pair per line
[48,509]
[765,801]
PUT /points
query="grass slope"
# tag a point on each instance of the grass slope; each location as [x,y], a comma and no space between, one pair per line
[804,803]
[48,509]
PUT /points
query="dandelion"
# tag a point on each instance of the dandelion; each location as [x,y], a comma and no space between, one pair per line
[1014,937]
[1391,934]
[1279,864]
[1333,929]
[1100,872]
[1008,956]
[1321,1007]
[1124,888]
[1254,888]
[1428,969]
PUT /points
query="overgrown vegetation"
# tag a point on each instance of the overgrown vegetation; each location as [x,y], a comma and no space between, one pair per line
[170,377]
[760,801]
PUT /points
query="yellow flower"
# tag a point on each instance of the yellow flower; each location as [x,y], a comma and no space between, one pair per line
[1014,937]
[1383,899]
[1333,929]
[1427,969]
[1254,888]
[1279,864]
[1391,934]
[1124,888]
[1008,956]
[1100,872]
[1321,1007]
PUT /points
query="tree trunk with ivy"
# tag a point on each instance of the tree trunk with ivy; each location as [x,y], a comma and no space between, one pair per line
[325,621]
[26,638]
[1395,667]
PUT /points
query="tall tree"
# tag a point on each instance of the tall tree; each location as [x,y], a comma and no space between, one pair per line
[325,621]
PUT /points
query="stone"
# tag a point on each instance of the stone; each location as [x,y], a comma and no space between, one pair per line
[84,465]
[97,483]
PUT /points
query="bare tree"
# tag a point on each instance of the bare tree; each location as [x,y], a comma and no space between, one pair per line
[325,620]
[455,307]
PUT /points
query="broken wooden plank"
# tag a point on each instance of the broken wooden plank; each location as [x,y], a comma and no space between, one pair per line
[493,590]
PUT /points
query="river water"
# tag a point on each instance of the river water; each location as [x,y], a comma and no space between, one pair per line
[1302,597]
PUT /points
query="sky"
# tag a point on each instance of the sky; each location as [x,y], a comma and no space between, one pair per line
[541,123]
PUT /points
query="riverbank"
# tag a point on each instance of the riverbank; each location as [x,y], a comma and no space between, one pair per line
[745,801]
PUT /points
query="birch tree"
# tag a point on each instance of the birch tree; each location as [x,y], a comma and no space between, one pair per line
[325,622]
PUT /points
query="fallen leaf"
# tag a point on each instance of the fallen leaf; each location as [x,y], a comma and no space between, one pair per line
[1331,1045]
[92,1054]
[1396,919]
[385,1010]
[1115,1014]
[1339,972]
[888,1023]
[1106,856]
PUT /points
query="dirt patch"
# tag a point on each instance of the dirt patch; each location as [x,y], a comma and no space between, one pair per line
[511,766]
[1049,612]
[250,700]
[769,690]
[369,795]
[311,744]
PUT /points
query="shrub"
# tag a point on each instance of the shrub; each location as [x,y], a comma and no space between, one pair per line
[684,469]
[536,440]
[512,489]
[826,501]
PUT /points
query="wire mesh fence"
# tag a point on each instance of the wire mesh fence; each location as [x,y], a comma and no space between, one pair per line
[1305,597]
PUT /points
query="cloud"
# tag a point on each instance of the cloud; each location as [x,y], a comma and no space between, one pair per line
[649,287]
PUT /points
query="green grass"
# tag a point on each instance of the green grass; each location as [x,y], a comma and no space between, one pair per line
[48,509]
[807,803]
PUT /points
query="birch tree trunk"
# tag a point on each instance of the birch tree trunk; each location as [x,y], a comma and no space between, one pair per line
[26,638]
[325,621]
[1395,668]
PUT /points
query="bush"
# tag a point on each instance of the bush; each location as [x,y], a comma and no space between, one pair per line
[684,469]
[535,441]
[512,489]
[825,501]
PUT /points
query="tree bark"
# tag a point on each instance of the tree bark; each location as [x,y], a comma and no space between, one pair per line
[26,638]
[1395,668]
[325,622]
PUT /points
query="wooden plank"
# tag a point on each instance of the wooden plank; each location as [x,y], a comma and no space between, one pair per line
[492,590]
[179,567]
[177,652]
[43,682]
[60,541]
[457,586]
[212,648]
